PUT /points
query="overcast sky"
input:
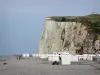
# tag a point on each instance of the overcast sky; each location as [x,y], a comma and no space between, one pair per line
[21,21]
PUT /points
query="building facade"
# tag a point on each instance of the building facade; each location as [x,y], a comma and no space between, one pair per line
[97,45]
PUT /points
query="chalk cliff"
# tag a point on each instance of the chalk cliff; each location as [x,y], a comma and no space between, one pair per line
[64,34]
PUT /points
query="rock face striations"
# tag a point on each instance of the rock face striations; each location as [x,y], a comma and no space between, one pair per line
[64,34]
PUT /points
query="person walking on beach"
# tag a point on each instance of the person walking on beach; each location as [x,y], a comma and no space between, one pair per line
[59,59]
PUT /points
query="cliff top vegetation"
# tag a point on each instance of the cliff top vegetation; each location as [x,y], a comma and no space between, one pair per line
[93,20]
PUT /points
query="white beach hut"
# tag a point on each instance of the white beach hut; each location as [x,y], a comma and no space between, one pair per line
[25,55]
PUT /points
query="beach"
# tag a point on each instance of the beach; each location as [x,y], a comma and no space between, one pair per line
[36,66]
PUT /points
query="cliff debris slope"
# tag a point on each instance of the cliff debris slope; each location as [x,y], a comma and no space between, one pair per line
[65,33]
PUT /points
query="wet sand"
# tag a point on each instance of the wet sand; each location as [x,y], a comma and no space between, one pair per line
[35,66]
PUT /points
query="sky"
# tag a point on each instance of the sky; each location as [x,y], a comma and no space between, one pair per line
[21,21]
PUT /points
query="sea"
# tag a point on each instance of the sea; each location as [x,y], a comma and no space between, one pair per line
[5,57]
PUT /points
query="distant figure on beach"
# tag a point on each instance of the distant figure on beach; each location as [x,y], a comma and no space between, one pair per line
[59,59]
[17,58]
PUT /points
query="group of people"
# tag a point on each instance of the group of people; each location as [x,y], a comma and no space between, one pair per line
[58,62]
[18,57]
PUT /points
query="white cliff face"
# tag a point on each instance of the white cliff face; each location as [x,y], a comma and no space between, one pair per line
[62,36]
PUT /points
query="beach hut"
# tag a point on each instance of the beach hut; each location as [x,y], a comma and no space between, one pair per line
[25,55]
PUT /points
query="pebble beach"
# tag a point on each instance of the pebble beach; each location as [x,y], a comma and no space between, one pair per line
[36,66]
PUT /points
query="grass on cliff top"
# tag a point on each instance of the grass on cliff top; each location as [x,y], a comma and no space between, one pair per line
[91,17]
[94,19]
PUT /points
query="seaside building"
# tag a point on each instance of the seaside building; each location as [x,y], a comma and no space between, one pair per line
[97,43]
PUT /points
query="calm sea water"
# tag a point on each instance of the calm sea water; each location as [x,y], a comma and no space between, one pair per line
[4,57]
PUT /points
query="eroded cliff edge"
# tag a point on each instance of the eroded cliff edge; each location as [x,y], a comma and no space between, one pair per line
[65,34]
